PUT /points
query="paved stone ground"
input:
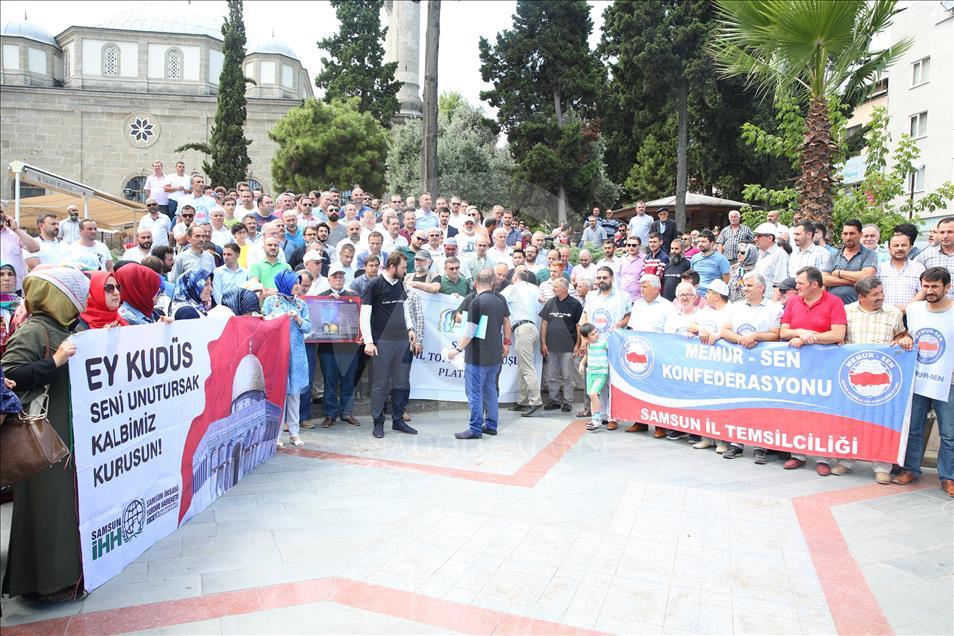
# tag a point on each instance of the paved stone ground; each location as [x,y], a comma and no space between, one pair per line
[544,528]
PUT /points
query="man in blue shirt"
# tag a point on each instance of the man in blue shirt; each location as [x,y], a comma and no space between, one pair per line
[709,263]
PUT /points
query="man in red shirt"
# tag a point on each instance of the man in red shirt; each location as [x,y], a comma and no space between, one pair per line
[813,317]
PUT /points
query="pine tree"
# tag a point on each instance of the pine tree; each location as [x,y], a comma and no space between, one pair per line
[227,147]
[355,66]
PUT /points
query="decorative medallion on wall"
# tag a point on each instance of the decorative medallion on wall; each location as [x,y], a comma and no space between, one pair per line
[141,130]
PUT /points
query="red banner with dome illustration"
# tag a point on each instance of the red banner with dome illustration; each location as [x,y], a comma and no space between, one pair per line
[166,418]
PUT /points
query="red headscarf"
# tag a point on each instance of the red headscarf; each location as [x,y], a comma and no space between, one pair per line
[97,315]
[140,286]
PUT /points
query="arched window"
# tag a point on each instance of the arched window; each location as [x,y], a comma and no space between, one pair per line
[134,190]
[110,60]
[254,184]
[174,64]
[66,64]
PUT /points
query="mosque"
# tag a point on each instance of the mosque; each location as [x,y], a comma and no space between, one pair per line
[98,104]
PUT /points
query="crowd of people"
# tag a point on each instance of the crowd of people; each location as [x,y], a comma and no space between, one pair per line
[202,251]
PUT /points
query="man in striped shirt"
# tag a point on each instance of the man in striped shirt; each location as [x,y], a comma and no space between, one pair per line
[941,254]
[901,276]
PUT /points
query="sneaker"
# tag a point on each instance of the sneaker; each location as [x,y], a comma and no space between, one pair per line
[721,447]
[594,426]
[839,469]
[823,470]
[674,434]
[694,439]
[732,452]
[552,406]
[566,408]
[531,410]
[296,441]
[280,444]
[761,456]
[705,443]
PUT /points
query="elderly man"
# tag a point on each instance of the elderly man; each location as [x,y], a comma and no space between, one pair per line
[142,248]
[421,278]
[814,317]
[871,238]
[932,321]
[849,265]
[559,343]
[900,275]
[871,321]
[479,260]
[593,233]
[772,263]
[649,313]
[338,361]
[353,239]
[256,252]
[665,228]
[732,235]
[69,227]
[220,235]
[523,301]
[500,251]
[748,322]
[489,318]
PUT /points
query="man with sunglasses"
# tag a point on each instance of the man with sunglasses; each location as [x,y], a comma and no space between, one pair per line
[157,223]
[631,268]
[181,229]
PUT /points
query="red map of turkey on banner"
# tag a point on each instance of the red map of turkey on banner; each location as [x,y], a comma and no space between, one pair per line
[267,340]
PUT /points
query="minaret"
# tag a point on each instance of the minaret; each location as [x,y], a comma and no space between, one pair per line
[403,45]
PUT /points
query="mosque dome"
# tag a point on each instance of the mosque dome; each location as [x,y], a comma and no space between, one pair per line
[29,31]
[271,46]
[164,18]
[249,376]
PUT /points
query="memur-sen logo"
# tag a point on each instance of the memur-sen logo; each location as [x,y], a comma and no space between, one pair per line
[931,345]
[636,357]
[446,321]
[870,378]
[602,320]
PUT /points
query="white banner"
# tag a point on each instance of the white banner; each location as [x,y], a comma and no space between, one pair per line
[433,377]
[165,419]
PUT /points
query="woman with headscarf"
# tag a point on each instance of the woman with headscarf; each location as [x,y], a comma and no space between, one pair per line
[102,306]
[242,302]
[9,301]
[284,302]
[193,296]
[44,562]
[747,257]
[140,287]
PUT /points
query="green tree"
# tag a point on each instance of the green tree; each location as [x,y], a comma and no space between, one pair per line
[814,51]
[227,147]
[545,85]
[320,145]
[470,164]
[355,66]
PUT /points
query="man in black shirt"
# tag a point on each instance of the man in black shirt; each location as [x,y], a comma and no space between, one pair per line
[487,318]
[672,275]
[389,336]
[558,343]
[339,362]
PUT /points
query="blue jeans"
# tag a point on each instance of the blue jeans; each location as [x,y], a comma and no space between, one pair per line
[945,424]
[339,370]
[480,384]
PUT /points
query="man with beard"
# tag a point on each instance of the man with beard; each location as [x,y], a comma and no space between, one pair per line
[422,278]
[142,249]
[850,264]
[610,259]
[606,308]
[53,250]
[677,266]
[158,223]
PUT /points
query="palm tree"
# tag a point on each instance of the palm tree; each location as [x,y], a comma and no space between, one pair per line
[817,50]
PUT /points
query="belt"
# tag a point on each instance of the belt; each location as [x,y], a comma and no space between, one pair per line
[519,323]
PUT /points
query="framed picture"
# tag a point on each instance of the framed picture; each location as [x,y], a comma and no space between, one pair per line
[333,319]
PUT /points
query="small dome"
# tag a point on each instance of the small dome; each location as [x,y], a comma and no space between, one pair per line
[249,376]
[163,18]
[273,46]
[29,31]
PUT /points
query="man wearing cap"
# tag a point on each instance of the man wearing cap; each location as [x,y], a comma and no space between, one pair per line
[784,292]
[69,227]
[158,224]
[805,253]
[338,361]
[850,264]
[732,235]
[467,237]
[665,228]
[773,260]
[422,278]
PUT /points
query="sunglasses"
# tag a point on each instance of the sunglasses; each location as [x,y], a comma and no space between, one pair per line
[453,269]
[632,245]
[111,288]
[187,216]
[152,205]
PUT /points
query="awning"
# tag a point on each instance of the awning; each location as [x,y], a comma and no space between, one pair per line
[694,202]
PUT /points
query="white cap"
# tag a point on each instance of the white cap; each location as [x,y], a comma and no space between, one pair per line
[718,285]
[312,255]
[766,228]
[336,268]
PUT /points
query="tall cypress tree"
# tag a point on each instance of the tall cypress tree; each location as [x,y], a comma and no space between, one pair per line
[227,148]
[355,66]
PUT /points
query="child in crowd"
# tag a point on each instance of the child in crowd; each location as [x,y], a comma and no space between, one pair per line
[596,364]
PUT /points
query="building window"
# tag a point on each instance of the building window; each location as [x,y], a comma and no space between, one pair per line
[174,64]
[134,190]
[254,184]
[66,63]
[111,60]
[919,125]
[921,72]
[917,180]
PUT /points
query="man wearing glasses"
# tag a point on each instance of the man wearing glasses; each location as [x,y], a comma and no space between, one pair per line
[181,230]
[631,268]
[157,223]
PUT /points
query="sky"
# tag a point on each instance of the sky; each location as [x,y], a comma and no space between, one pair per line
[302,24]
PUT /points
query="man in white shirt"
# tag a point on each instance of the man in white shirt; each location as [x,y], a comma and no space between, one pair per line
[221,235]
[606,308]
[772,220]
[467,238]
[773,261]
[69,227]
[142,248]
[156,187]
[524,305]
[585,269]
[805,253]
[457,216]
[392,235]
[246,204]
[353,239]
[53,251]
[177,185]
[89,253]
[157,223]
[499,252]
[639,224]
[197,199]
